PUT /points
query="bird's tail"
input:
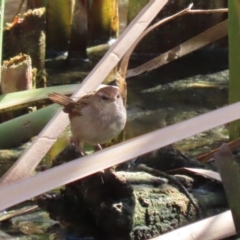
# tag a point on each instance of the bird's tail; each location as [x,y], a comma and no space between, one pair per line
[60,99]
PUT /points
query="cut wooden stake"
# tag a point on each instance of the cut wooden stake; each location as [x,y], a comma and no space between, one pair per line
[32,156]
[229,171]
[214,228]
[27,35]
[68,172]
[17,74]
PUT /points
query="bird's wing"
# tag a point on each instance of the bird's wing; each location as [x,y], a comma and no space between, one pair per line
[70,106]
[60,99]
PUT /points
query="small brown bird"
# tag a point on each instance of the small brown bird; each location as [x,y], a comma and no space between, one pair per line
[96,118]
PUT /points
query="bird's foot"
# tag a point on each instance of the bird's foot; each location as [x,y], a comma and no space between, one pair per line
[99,147]
[78,145]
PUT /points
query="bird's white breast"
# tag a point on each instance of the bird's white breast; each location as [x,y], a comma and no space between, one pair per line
[97,127]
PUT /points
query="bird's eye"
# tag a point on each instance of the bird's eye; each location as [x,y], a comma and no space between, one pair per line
[118,96]
[104,98]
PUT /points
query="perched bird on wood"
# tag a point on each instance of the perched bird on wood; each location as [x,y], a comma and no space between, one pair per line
[96,118]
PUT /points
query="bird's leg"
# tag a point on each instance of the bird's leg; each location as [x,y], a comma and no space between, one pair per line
[99,147]
[79,145]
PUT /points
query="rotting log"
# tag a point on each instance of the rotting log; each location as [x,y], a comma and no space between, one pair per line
[120,210]
[127,205]
[27,36]
[109,207]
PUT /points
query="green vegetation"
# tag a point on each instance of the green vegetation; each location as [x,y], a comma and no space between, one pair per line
[234,60]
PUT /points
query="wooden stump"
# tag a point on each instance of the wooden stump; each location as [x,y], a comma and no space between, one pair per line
[27,36]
